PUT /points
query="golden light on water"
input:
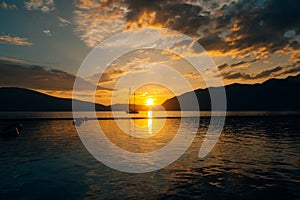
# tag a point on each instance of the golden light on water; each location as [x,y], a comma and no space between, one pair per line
[150,123]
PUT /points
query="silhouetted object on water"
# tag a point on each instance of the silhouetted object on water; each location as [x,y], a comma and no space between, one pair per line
[78,122]
[11,130]
[132,110]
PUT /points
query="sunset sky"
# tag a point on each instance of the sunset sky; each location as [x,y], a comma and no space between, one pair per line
[44,42]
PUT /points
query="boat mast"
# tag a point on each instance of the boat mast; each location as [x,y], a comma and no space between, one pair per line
[134,101]
[129,98]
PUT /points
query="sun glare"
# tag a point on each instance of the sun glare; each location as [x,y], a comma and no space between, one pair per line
[149,102]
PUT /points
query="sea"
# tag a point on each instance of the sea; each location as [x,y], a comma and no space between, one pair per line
[257,156]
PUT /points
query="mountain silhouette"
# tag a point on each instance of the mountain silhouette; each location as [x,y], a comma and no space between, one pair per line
[272,95]
[20,99]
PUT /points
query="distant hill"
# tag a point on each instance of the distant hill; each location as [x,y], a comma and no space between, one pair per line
[19,99]
[272,95]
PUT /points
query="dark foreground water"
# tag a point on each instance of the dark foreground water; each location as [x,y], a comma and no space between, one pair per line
[255,158]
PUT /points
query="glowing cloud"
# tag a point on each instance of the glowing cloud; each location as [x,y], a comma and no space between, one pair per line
[7,39]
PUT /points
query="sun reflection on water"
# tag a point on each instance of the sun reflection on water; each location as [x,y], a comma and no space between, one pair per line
[150,122]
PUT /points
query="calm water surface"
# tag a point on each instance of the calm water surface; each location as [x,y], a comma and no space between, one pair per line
[256,157]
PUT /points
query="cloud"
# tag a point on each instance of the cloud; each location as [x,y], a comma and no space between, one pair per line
[23,75]
[183,16]
[266,74]
[13,60]
[5,5]
[295,56]
[7,39]
[247,30]
[240,64]
[222,67]
[43,5]
[244,76]
[63,22]
[134,62]
[292,70]
[255,27]
[228,26]
[289,34]
[97,20]
[109,76]
[192,74]
[47,32]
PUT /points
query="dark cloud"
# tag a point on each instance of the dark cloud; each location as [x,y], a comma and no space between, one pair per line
[36,77]
[214,41]
[223,67]
[235,75]
[185,18]
[228,26]
[293,69]
[282,15]
[176,15]
[239,75]
[222,25]
[255,25]
[243,62]
[238,63]
[243,29]
[267,73]
[295,45]
[226,66]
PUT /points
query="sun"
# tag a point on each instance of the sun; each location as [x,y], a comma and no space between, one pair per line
[149,102]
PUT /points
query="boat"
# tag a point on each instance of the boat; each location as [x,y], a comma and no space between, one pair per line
[78,121]
[132,110]
[12,130]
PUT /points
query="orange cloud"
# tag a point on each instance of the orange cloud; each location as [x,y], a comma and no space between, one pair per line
[146,19]
[192,74]
[7,39]
[295,56]
[87,4]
